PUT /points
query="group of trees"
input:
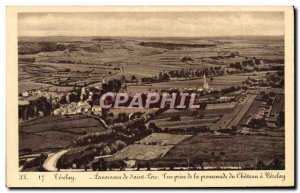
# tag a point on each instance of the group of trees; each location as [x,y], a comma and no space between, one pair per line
[105,143]
[228,90]
[276,164]
[72,97]
[258,123]
[128,132]
[186,73]
[182,130]
[82,156]
[280,119]
[36,47]
[102,165]
[36,108]
[247,62]
[35,164]
[113,85]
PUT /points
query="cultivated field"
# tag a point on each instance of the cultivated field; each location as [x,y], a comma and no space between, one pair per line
[68,63]
[232,119]
[62,63]
[153,147]
[218,150]
[278,104]
[53,132]
[186,122]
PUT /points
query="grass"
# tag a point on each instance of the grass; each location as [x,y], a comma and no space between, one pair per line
[217,83]
[232,119]
[65,136]
[60,124]
[38,142]
[152,147]
[53,132]
[278,104]
[138,60]
[185,122]
[163,138]
[228,149]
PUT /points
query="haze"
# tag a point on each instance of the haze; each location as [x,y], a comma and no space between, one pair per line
[152,24]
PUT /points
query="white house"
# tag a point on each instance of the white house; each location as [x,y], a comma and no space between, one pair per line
[97,110]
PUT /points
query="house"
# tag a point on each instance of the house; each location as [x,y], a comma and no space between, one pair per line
[263,68]
[58,111]
[25,94]
[272,125]
[83,107]
[97,110]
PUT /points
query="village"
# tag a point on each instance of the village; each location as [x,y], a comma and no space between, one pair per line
[239,105]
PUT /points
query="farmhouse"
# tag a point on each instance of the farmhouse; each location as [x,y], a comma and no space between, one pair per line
[263,68]
[97,110]
[73,108]
[25,94]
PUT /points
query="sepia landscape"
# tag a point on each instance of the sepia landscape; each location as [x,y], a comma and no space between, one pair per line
[238,81]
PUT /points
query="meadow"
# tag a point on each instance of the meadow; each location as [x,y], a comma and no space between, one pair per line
[55,132]
[226,150]
[153,147]
[87,61]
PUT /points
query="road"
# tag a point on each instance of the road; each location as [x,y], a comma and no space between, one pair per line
[51,161]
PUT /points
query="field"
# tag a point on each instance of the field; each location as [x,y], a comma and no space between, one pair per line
[30,142]
[62,63]
[230,112]
[252,111]
[154,146]
[217,150]
[129,111]
[186,122]
[53,132]
[232,119]
[217,83]
[67,63]
[278,104]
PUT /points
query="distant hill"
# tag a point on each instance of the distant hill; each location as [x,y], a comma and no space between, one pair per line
[173,46]
[36,47]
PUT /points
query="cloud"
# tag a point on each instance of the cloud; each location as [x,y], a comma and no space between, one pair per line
[161,24]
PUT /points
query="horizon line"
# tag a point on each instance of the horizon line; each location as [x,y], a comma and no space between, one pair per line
[154,36]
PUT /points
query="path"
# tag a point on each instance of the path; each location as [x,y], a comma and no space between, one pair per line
[51,161]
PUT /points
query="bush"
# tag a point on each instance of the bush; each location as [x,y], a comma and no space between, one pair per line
[106,150]
[175,118]
[120,144]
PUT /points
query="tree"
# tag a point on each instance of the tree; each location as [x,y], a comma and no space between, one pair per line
[257,123]
[260,165]
[280,119]
[175,118]
[63,100]
[270,102]
[277,164]
[112,86]
[203,106]
[133,78]
[106,150]
[120,144]
[152,126]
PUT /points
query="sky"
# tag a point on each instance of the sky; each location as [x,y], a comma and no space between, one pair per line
[152,24]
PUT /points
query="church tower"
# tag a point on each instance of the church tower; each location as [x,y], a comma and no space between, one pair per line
[205,84]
